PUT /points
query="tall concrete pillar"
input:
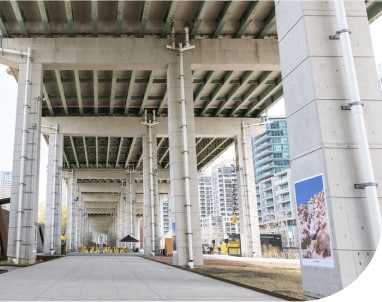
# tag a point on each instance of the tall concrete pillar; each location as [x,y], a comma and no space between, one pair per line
[82,224]
[177,168]
[118,217]
[72,214]
[249,224]
[78,221]
[150,189]
[69,192]
[22,243]
[322,141]
[125,210]
[52,233]
[76,217]
[131,220]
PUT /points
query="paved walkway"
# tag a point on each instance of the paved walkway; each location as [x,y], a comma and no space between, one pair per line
[120,278]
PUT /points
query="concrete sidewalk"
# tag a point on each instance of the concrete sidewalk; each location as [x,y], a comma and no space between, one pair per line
[117,278]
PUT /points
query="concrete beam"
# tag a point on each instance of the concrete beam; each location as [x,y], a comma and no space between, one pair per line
[99,187]
[100,205]
[98,211]
[134,53]
[132,127]
[113,174]
[99,173]
[100,197]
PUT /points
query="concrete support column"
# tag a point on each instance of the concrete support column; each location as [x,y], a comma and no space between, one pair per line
[76,217]
[83,229]
[130,227]
[133,219]
[79,222]
[73,214]
[22,243]
[249,223]
[125,211]
[177,175]
[52,234]
[322,140]
[117,218]
[150,189]
[69,194]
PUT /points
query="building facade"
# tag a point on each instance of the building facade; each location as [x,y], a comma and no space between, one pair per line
[271,150]
[274,189]
[218,204]
[5,184]
[276,208]
[5,187]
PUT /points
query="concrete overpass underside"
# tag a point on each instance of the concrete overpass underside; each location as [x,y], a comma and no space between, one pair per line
[104,87]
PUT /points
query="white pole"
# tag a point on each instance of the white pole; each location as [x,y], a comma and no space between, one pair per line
[149,124]
[131,208]
[373,209]
[185,151]
[54,191]
[185,161]
[24,141]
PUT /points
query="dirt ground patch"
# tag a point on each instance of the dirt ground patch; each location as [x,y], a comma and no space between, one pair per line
[279,279]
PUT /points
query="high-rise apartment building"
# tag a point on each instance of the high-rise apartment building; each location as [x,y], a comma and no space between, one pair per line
[218,203]
[274,190]
[5,186]
[205,196]
[165,213]
[276,207]
[271,150]
[224,197]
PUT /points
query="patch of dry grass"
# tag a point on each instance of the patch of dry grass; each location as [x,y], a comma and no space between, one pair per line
[274,279]
[279,279]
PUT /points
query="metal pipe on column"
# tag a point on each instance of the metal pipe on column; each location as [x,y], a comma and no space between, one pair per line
[355,104]
[54,193]
[130,171]
[24,142]
[149,123]
[185,151]
[28,55]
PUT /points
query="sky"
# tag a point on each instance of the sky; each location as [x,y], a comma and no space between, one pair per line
[8,95]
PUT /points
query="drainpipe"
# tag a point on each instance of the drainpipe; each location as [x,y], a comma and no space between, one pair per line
[181,49]
[54,190]
[130,171]
[131,208]
[24,141]
[149,124]
[355,105]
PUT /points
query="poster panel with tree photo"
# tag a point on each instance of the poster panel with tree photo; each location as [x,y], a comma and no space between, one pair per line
[313,222]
